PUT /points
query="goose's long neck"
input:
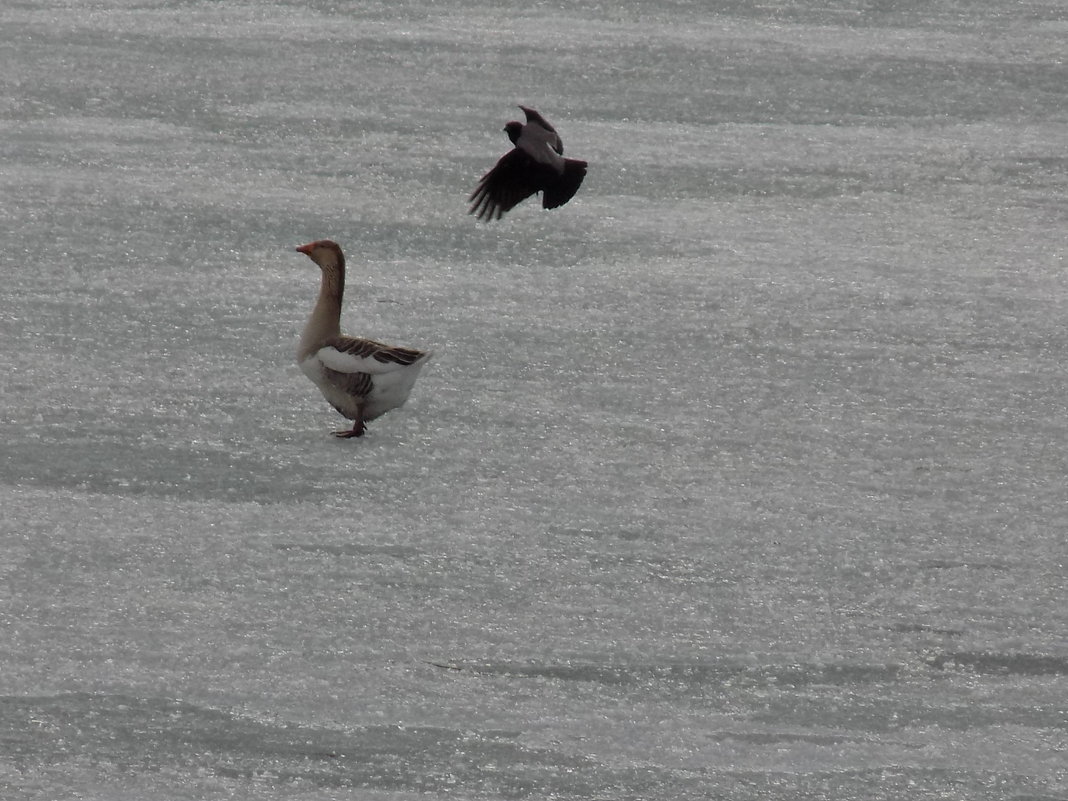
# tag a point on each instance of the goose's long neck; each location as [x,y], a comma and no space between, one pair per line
[324,323]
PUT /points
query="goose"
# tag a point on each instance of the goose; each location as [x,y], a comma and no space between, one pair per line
[361,378]
[535,164]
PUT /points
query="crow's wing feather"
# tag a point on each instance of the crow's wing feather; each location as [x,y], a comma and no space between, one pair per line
[515,177]
[546,132]
[564,187]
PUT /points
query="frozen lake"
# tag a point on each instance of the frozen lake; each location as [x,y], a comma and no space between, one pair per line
[741,476]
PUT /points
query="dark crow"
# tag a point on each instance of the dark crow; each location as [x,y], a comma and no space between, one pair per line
[535,164]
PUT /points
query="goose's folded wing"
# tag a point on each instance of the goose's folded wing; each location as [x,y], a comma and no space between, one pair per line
[515,178]
[356,385]
[352,355]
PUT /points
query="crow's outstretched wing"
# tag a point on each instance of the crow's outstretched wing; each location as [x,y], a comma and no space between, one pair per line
[564,188]
[515,177]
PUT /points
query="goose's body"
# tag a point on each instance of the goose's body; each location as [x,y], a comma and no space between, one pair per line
[535,164]
[361,378]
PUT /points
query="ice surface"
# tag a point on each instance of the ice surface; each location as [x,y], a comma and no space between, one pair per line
[740,476]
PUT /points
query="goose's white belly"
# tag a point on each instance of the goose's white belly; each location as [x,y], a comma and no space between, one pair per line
[388,390]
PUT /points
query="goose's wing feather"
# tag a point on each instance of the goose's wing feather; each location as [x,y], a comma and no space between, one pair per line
[515,178]
[350,355]
[353,385]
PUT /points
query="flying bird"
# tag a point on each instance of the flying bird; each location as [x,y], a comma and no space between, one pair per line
[361,378]
[535,164]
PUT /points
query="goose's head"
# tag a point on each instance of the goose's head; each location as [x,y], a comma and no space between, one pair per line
[326,253]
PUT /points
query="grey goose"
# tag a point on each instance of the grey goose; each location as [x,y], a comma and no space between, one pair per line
[361,378]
